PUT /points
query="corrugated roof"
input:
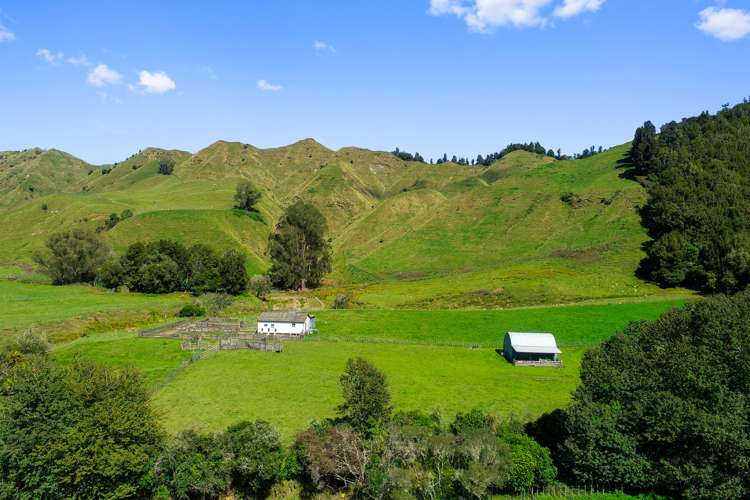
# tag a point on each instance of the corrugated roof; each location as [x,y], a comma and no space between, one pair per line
[534,343]
[282,317]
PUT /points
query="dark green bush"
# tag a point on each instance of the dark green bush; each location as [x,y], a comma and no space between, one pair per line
[191,311]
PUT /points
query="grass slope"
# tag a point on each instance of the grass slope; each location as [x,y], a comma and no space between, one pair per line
[405,235]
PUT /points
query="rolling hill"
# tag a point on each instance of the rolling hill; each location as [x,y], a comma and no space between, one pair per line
[525,230]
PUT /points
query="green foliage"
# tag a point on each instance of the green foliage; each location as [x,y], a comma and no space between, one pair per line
[217,302]
[341,301]
[644,147]
[256,457]
[193,466]
[699,201]
[232,272]
[366,397]
[166,167]
[260,285]
[72,257]
[246,196]
[191,311]
[167,266]
[111,274]
[299,253]
[80,432]
[663,406]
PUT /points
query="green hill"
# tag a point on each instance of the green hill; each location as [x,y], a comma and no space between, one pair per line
[526,230]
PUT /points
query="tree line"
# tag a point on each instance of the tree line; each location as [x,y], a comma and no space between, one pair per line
[489,159]
[299,251]
[697,175]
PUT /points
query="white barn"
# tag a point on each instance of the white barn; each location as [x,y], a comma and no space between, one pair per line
[531,347]
[285,323]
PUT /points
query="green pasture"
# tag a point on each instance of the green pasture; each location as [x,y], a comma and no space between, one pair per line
[434,360]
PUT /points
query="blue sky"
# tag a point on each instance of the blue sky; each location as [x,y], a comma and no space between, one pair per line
[103,79]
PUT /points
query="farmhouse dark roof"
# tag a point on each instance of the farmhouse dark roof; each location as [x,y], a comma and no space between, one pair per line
[282,317]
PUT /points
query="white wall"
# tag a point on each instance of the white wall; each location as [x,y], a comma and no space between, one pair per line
[272,327]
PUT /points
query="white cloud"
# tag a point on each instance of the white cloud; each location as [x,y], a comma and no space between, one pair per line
[103,75]
[78,61]
[267,87]
[6,35]
[49,56]
[483,15]
[323,47]
[156,83]
[571,8]
[725,24]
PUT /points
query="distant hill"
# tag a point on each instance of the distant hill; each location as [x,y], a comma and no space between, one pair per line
[527,229]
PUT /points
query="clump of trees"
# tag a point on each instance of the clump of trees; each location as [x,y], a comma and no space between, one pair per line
[72,256]
[698,181]
[115,219]
[246,196]
[167,266]
[663,407]
[366,452]
[403,155]
[166,167]
[300,254]
[74,432]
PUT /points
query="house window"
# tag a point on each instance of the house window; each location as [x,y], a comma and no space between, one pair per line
[294,325]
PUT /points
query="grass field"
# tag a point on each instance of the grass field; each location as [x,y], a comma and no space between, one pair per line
[76,308]
[444,360]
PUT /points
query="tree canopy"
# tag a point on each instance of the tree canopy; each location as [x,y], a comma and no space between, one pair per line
[699,201]
[664,406]
[246,196]
[72,256]
[300,254]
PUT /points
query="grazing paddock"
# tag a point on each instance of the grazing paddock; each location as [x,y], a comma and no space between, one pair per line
[443,360]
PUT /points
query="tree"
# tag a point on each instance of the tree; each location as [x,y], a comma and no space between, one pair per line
[77,432]
[300,255]
[366,395]
[246,196]
[663,406]
[158,274]
[193,466]
[260,285]
[643,150]
[233,273]
[256,457]
[333,457]
[166,167]
[72,257]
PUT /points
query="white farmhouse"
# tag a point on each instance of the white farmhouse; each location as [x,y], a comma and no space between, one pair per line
[286,323]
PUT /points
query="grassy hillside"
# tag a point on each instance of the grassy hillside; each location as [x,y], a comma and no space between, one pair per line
[526,230]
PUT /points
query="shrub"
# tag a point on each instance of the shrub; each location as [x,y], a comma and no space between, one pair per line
[341,301]
[217,302]
[166,167]
[333,458]
[72,257]
[110,274]
[191,311]
[260,285]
